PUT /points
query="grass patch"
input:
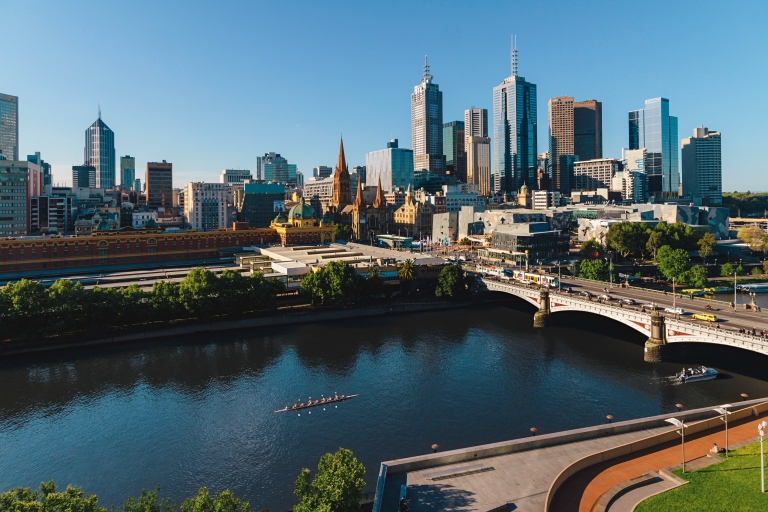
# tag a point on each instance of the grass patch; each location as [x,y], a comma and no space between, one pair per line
[733,484]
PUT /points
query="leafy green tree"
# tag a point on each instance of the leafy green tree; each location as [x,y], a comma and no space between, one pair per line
[655,240]
[696,276]
[672,263]
[337,486]
[451,281]
[596,270]
[756,271]
[335,284]
[148,502]
[627,238]
[754,237]
[27,296]
[22,499]
[225,501]
[342,232]
[706,245]
[406,270]
[198,292]
[740,270]
[165,301]
[765,267]
[374,283]
[727,270]
[592,248]
[465,241]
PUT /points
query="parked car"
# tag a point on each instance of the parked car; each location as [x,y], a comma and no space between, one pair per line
[675,311]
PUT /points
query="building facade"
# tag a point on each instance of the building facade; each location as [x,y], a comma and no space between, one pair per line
[19,182]
[427,125]
[321,171]
[369,220]
[654,130]
[454,150]
[261,203]
[319,193]
[594,174]
[560,139]
[205,206]
[413,217]
[127,172]
[83,176]
[703,167]
[342,195]
[159,184]
[231,177]
[588,129]
[479,164]
[275,168]
[392,166]
[100,152]
[300,226]
[9,126]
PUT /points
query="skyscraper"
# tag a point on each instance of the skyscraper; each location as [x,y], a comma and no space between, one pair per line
[514,131]
[653,129]
[46,168]
[454,150]
[100,152]
[427,125]
[159,184]
[392,167]
[273,167]
[702,167]
[560,139]
[478,147]
[588,129]
[9,126]
[83,176]
[127,172]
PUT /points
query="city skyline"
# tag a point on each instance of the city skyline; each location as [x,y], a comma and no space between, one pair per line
[159,125]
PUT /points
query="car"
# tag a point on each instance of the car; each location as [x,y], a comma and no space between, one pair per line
[462,258]
[628,301]
[585,293]
[605,296]
[707,317]
[526,281]
[648,305]
[675,311]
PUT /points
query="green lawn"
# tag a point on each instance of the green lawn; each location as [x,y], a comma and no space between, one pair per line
[733,484]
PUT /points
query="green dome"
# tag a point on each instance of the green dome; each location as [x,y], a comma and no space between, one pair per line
[281,218]
[301,211]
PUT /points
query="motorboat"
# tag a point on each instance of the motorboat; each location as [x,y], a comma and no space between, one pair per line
[696,374]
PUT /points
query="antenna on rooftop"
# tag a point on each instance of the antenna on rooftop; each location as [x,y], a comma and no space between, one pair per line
[514,55]
[99,110]
[426,77]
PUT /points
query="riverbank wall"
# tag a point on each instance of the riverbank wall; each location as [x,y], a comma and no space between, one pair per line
[188,327]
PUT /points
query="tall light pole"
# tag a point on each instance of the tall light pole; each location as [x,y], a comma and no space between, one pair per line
[724,411]
[676,422]
[761,432]
[559,277]
[734,290]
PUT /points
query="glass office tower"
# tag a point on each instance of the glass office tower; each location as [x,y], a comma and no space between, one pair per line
[9,126]
[427,125]
[654,130]
[454,150]
[127,172]
[274,168]
[393,167]
[100,152]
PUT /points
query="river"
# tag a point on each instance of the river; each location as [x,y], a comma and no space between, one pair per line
[187,412]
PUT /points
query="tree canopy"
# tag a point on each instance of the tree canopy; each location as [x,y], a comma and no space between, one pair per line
[754,237]
[672,263]
[591,248]
[342,232]
[596,270]
[627,238]
[451,282]
[337,486]
[706,245]
[335,284]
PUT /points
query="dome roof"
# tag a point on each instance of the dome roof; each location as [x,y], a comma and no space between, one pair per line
[524,188]
[281,218]
[301,211]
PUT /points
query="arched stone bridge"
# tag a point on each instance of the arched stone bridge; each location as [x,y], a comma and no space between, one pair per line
[660,330]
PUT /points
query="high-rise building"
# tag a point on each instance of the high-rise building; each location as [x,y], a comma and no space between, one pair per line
[19,181]
[321,171]
[45,167]
[653,129]
[594,174]
[588,129]
[479,164]
[476,122]
[261,203]
[205,205]
[83,176]
[159,183]
[454,150]
[702,167]
[127,172]
[9,126]
[234,176]
[137,185]
[274,168]
[361,173]
[427,125]
[560,139]
[514,131]
[393,166]
[631,184]
[100,152]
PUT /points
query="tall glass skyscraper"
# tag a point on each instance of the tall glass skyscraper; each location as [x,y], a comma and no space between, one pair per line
[514,132]
[9,126]
[100,152]
[427,125]
[654,130]
[127,172]
[274,168]
[454,150]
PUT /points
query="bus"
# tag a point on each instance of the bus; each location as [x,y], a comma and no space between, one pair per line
[539,279]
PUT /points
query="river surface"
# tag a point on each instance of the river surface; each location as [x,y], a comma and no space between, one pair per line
[187,412]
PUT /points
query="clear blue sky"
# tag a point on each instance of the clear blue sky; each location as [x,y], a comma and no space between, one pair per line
[212,85]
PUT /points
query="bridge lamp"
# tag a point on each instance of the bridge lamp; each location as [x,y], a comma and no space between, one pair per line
[722,410]
[679,424]
[761,432]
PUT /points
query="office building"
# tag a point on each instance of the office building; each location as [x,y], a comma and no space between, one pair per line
[594,174]
[560,139]
[159,184]
[205,206]
[261,203]
[321,171]
[137,185]
[631,185]
[654,130]
[100,152]
[588,129]
[392,166]
[45,167]
[454,150]
[83,176]
[427,125]
[274,168]
[53,213]
[127,172]
[9,126]
[19,182]
[479,163]
[543,199]
[514,131]
[702,167]
[234,176]
[319,193]
[360,170]
[299,180]
[476,122]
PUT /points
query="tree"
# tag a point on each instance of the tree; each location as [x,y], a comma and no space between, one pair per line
[335,284]
[756,271]
[148,502]
[672,263]
[627,238]
[754,237]
[465,241]
[225,501]
[337,486]
[591,248]
[450,281]
[596,270]
[198,292]
[739,270]
[696,276]
[342,232]
[22,499]
[406,270]
[374,283]
[655,240]
[765,267]
[727,270]
[706,245]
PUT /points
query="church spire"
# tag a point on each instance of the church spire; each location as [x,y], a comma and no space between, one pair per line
[342,164]
[359,200]
[379,201]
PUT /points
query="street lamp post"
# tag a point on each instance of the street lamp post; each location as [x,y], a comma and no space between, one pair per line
[734,290]
[559,277]
[724,411]
[674,295]
[682,426]
[761,432]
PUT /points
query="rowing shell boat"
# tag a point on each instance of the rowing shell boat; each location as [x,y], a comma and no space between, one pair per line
[313,404]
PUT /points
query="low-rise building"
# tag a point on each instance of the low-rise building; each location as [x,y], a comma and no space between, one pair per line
[544,199]
[300,226]
[534,239]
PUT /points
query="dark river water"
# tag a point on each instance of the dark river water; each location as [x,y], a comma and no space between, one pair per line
[197,411]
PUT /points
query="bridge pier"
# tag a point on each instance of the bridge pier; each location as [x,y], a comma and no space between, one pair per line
[656,345]
[541,317]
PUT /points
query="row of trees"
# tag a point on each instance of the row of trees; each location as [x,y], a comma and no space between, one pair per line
[28,310]
[636,239]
